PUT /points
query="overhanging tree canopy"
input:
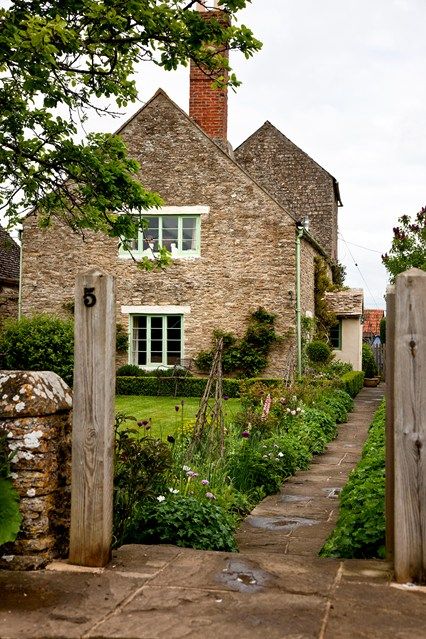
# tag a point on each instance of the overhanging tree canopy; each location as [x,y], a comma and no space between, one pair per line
[74,54]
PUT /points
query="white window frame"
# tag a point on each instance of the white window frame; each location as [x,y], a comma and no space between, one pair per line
[180,212]
[155,311]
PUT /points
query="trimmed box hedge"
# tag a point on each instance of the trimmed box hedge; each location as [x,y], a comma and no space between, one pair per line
[353,382]
[181,386]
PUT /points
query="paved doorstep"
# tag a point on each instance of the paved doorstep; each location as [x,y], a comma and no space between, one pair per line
[275,587]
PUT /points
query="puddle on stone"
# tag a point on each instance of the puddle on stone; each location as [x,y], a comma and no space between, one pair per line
[242,576]
[285,524]
[333,493]
[294,498]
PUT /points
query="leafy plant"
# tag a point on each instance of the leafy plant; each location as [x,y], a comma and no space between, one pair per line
[369,365]
[319,352]
[39,343]
[360,528]
[325,319]
[121,339]
[352,382]
[10,516]
[183,521]
[247,356]
[130,370]
[408,245]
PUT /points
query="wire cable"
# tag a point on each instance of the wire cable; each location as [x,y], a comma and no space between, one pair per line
[359,270]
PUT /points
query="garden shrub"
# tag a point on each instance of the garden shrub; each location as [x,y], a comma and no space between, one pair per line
[338,403]
[185,521]
[368,362]
[171,386]
[10,517]
[39,343]
[318,352]
[130,370]
[247,356]
[314,429]
[121,339]
[352,382]
[250,468]
[360,529]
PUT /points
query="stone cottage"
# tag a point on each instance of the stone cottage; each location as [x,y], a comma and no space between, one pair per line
[229,220]
[9,276]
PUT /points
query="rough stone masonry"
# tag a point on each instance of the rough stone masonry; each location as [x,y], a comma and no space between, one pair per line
[35,413]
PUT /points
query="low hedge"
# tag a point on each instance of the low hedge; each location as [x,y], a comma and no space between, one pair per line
[360,528]
[353,382]
[180,387]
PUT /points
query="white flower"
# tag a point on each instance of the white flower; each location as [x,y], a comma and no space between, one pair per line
[280,454]
[161,498]
[174,491]
[293,412]
[298,409]
[186,468]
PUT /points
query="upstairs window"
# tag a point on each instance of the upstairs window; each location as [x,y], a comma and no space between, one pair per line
[177,229]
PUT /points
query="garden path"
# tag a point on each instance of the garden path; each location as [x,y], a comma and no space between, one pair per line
[275,587]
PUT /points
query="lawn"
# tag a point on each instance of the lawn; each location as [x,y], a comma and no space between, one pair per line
[165,419]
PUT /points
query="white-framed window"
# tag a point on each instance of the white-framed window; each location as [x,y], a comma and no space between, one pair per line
[156,335]
[177,228]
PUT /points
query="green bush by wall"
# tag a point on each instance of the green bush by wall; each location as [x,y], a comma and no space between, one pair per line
[353,382]
[180,387]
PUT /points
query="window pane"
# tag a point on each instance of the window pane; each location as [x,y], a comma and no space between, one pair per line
[139,340]
[156,354]
[335,336]
[189,234]
[170,231]
[151,234]
[174,327]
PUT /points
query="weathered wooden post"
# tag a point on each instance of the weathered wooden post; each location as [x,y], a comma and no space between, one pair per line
[410,426]
[389,437]
[93,420]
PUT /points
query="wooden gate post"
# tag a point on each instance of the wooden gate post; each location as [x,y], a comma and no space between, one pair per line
[389,435]
[93,420]
[410,426]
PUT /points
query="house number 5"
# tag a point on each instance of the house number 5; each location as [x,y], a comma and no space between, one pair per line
[89,298]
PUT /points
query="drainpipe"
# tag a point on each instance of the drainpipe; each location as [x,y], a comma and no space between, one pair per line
[20,275]
[301,226]
[299,234]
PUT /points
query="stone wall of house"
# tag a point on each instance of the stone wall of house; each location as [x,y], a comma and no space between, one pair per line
[307,278]
[8,302]
[296,180]
[247,240]
[35,412]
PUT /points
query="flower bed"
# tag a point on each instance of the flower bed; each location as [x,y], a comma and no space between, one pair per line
[193,489]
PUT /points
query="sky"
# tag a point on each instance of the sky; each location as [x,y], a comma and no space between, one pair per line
[346,82]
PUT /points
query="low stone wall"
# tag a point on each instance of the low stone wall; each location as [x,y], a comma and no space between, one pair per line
[35,411]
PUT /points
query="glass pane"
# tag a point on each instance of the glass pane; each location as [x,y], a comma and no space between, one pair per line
[174,328]
[156,355]
[189,234]
[139,340]
[170,231]
[151,234]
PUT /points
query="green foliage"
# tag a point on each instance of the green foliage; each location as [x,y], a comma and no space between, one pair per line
[39,343]
[319,352]
[141,466]
[383,330]
[130,370]
[408,248]
[121,339]
[338,272]
[250,468]
[314,429]
[352,382]
[337,403]
[73,57]
[360,529]
[369,365]
[183,520]
[325,319]
[10,516]
[171,386]
[247,356]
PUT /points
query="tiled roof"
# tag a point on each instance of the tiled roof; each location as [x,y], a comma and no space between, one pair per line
[9,257]
[372,317]
[346,303]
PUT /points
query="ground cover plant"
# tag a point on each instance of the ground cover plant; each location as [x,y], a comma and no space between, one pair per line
[360,529]
[202,482]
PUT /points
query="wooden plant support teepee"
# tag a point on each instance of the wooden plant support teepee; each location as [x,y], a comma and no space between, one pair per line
[209,421]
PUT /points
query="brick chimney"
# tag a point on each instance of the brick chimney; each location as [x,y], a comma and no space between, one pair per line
[208,106]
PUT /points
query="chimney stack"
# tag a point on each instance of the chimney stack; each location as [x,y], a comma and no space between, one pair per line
[208,106]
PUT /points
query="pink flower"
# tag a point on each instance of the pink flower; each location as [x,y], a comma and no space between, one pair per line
[205,482]
[245,434]
[210,496]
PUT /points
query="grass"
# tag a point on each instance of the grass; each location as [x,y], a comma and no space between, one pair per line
[165,419]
